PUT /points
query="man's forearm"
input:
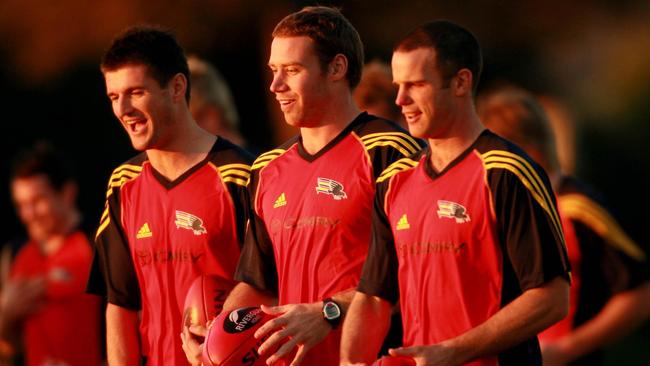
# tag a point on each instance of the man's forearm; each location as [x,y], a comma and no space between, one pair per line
[364,329]
[244,295]
[122,340]
[621,314]
[533,311]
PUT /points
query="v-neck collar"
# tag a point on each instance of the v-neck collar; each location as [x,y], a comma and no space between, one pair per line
[169,184]
[432,172]
[362,117]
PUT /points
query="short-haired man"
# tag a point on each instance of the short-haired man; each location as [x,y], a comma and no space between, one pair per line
[311,198]
[465,234]
[173,212]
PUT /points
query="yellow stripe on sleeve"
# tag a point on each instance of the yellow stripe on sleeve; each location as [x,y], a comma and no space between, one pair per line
[583,209]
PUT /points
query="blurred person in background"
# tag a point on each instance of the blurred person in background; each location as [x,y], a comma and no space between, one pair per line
[376,93]
[212,104]
[610,291]
[43,304]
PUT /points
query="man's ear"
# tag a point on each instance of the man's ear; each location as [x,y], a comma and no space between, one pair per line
[338,67]
[462,82]
[178,86]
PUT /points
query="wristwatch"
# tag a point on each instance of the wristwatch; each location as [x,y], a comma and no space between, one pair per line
[332,312]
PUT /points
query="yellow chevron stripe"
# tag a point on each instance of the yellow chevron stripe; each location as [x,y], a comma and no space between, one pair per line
[121,175]
[266,158]
[397,146]
[245,167]
[401,134]
[124,173]
[103,222]
[236,173]
[270,154]
[135,168]
[398,166]
[401,164]
[579,207]
[398,142]
[238,181]
[528,176]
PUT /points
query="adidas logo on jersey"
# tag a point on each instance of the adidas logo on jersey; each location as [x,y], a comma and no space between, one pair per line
[403,223]
[280,201]
[332,187]
[453,210]
[144,232]
[188,221]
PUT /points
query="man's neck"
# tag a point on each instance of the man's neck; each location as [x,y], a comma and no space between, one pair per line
[190,146]
[460,136]
[336,120]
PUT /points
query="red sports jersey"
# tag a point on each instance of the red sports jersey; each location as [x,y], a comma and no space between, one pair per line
[66,329]
[310,229]
[156,236]
[458,245]
[604,260]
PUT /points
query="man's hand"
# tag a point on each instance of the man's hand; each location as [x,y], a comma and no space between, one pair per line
[192,348]
[300,325]
[433,355]
[22,297]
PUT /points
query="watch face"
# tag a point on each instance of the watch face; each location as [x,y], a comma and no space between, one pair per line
[331,310]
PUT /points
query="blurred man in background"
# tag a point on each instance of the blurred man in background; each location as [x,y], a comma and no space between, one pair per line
[610,291]
[43,299]
[212,104]
[376,93]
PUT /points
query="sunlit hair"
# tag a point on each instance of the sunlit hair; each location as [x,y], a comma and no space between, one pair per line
[456,48]
[42,159]
[332,34]
[151,46]
[518,116]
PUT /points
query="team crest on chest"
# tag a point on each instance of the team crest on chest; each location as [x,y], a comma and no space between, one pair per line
[453,210]
[331,187]
[188,221]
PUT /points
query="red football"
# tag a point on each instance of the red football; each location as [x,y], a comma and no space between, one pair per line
[394,361]
[205,298]
[230,340]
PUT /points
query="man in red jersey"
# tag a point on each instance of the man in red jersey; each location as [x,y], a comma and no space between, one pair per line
[44,299]
[173,212]
[465,234]
[610,290]
[311,197]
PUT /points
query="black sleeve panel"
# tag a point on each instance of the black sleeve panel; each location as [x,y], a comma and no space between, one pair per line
[112,273]
[239,196]
[379,275]
[528,232]
[234,164]
[605,268]
[257,265]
